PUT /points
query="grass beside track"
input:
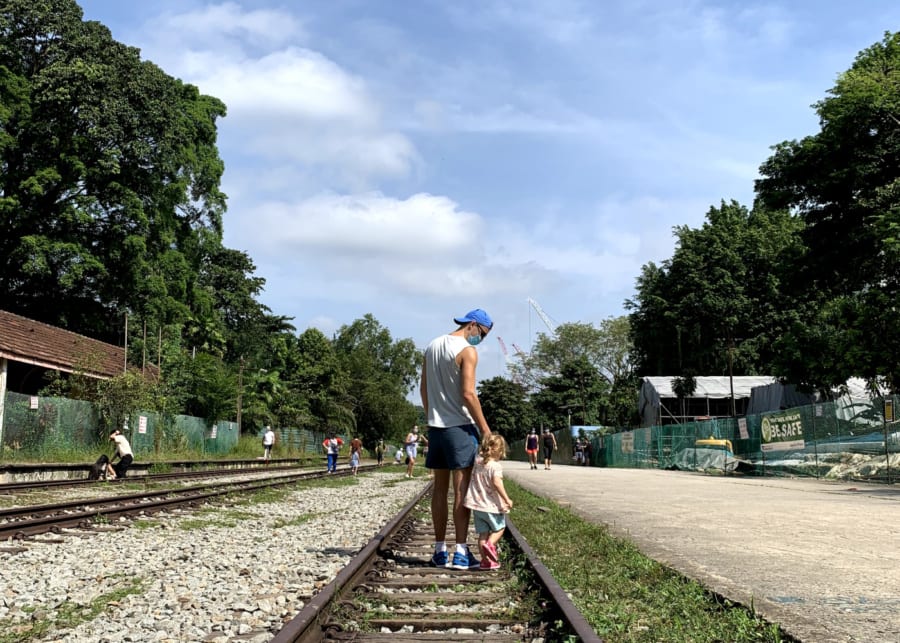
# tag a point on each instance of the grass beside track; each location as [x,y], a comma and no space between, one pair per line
[624,595]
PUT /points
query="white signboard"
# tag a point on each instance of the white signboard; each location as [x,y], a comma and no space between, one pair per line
[742,428]
[213,431]
[34,402]
[628,442]
[142,424]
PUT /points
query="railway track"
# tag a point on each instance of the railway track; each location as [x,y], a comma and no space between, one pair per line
[389,593]
[17,523]
[45,485]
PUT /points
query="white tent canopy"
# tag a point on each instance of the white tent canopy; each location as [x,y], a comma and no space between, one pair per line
[657,397]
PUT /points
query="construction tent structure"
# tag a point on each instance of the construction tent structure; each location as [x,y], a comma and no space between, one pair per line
[659,405]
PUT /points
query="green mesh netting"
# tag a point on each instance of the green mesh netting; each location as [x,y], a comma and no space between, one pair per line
[841,440]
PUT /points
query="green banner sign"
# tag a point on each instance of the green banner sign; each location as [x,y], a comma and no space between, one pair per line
[782,431]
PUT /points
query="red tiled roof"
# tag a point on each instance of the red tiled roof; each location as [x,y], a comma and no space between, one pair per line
[32,342]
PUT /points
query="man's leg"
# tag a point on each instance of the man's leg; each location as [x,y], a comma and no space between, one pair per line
[461,513]
[439,503]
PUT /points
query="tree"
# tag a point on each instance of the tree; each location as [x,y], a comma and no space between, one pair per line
[109,175]
[577,391]
[719,297]
[844,184]
[381,374]
[506,408]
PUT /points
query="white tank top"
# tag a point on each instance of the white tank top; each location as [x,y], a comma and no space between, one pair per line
[442,379]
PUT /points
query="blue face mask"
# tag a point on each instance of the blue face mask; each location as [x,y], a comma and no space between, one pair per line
[474,340]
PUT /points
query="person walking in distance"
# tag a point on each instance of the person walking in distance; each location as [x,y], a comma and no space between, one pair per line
[379,453]
[332,446]
[412,450]
[531,448]
[268,442]
[488,500]
[355,454]
[549,447]
[455,420]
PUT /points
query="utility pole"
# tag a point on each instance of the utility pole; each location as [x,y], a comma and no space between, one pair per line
[240,395]
[730,375]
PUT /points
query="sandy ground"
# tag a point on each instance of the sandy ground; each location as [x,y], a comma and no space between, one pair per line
[822,559]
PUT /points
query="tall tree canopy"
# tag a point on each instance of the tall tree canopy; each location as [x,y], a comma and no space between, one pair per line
[109,175]
[844,183]
[506,408]
[717,303]
[382,373]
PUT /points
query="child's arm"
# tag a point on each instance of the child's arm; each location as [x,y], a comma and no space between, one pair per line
[501,491]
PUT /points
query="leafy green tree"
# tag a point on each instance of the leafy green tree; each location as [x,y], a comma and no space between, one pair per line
[844,184]
[506,407]
[578,391]
[381,374]
[607,349]
[109,178]
[717,304]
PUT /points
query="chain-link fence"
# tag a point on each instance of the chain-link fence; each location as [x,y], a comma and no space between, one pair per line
[49,428]
[847,439]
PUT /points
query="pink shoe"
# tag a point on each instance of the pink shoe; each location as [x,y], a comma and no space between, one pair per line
[489,559]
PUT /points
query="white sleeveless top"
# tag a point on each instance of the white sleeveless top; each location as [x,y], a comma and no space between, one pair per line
[442,379]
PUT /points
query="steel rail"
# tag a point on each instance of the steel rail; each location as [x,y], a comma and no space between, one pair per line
[149,478]
[117,506]
[305,627]
[315,620]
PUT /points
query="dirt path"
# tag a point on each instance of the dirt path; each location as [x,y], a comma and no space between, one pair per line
[820,558]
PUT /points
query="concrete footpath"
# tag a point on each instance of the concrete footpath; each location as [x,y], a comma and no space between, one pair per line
[822,559]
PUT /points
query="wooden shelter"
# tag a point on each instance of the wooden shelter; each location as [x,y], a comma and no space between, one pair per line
[28,346]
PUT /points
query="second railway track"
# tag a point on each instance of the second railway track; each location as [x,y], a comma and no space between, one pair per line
[24,521]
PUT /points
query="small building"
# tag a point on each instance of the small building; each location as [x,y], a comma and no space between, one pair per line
[659,405]
[29,348]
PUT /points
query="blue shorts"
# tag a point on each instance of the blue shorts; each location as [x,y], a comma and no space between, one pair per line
[452,447]
[486,523]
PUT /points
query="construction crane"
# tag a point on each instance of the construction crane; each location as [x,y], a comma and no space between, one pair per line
[518,350]
[515,376]
[503,348]
[544,316]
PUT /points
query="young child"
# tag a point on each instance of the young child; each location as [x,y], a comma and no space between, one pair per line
[354,462]
[488,500]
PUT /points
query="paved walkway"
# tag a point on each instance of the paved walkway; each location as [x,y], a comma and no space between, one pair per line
[822,559]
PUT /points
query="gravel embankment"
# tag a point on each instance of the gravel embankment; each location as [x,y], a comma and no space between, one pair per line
[235,574]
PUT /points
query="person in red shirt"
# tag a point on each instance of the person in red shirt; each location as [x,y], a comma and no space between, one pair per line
[332,446]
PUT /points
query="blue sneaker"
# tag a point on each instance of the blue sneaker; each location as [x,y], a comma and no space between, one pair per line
[439,559]
[465,561]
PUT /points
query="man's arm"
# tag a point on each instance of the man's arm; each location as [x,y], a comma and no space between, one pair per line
[467,364]
[423,391]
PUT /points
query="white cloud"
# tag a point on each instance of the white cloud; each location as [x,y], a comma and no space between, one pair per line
[284,102]
[422,245]
[212,24]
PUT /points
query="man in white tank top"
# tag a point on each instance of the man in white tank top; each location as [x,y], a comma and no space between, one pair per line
[455,424]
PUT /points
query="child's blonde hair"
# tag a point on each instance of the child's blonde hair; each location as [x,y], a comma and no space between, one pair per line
[493,447]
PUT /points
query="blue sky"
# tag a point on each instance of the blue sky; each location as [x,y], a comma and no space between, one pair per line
[415,159]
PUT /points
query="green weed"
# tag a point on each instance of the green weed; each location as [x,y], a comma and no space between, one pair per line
[624,595]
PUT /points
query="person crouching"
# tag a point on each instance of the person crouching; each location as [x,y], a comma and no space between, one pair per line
[124,455]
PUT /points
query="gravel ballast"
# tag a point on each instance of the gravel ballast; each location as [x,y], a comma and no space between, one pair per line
[219,574]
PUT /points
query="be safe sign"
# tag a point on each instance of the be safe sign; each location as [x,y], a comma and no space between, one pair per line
[782,431]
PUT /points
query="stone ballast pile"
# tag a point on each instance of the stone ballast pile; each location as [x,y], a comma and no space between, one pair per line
[204,575]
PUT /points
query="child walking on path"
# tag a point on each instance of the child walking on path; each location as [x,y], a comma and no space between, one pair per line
[488,500]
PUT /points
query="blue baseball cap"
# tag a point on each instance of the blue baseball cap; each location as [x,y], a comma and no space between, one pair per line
[478,315]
